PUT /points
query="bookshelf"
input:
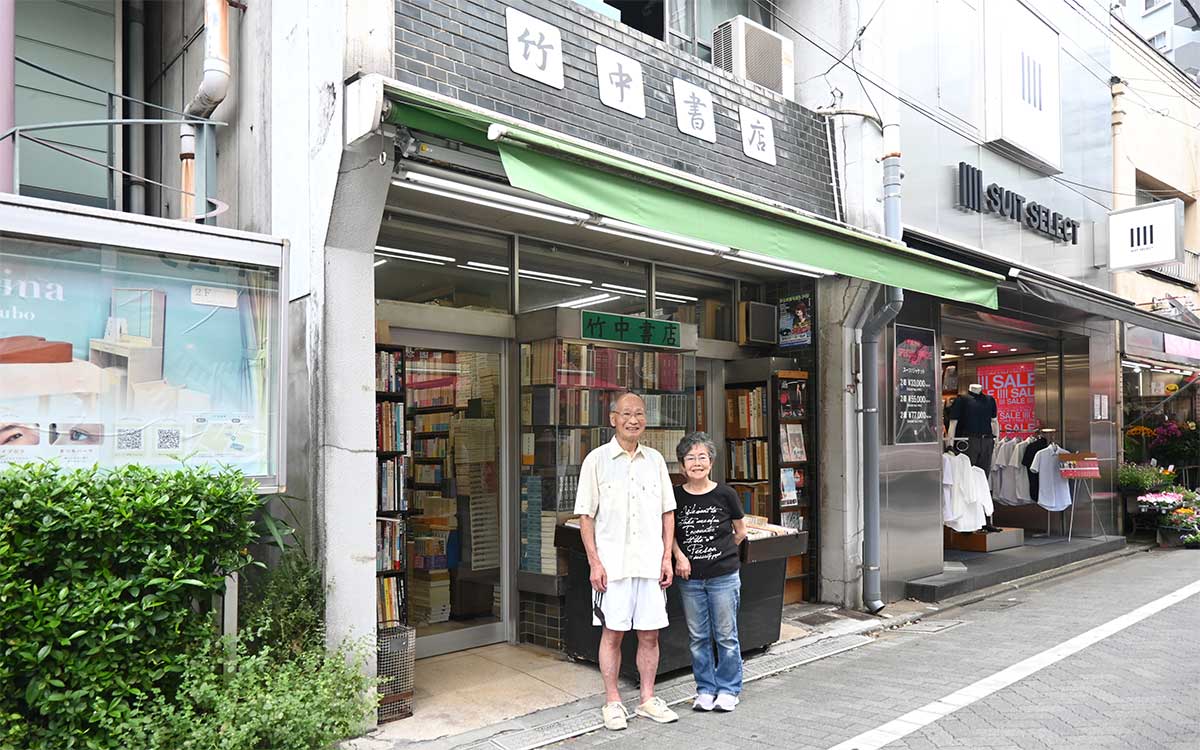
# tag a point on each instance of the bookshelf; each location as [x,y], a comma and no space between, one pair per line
[567,387]
[769,439]
[392,492]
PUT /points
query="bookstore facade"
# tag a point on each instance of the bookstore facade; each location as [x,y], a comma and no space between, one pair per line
[507,319]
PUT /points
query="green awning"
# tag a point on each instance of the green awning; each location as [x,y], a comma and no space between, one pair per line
[635,192]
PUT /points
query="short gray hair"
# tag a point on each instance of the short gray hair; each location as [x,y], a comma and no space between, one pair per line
[612,405]
[691,440]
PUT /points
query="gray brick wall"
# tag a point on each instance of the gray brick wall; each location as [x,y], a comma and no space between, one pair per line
[458,48]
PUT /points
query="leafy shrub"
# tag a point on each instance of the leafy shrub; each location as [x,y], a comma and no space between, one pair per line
[285,607]
[103,574]
[251,701]
[1142,477]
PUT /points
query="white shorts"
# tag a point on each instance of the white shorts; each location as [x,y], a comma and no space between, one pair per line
[631,604]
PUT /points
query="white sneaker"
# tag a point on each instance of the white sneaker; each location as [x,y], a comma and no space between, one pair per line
[703,702]
[657,710]
[725,702]
[614,715]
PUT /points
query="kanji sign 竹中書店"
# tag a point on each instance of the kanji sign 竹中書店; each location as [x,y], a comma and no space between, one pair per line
[628,329]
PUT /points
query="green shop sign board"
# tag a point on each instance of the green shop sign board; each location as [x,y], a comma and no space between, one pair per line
[627,329]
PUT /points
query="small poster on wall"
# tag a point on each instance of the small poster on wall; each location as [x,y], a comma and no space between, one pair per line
[916,381]
[1012,385]
[795,320]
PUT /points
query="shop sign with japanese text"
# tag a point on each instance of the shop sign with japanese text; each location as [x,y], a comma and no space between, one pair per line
[916,384]
[627,329]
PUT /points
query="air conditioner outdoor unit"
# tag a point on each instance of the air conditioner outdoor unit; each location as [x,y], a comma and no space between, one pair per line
[754,52]
[758,323]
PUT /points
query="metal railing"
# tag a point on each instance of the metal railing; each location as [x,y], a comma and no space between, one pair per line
[205,142]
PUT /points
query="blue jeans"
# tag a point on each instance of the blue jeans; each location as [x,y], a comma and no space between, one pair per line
[711,606]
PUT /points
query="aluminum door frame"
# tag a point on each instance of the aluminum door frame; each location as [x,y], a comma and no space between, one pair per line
[506,629]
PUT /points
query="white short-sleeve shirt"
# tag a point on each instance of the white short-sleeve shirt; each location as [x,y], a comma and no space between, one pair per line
[627,495]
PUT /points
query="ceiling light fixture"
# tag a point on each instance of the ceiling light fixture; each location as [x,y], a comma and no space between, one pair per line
[1013,349]
[969,354]
[488,198]
[642,292]
[666,239]
[752,257]
[396,252]
[960,341]
[572,303]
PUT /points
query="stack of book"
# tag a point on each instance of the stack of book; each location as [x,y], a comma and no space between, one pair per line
[389,545]
[392,492]
[436,422]
[389,426]
[389,371]
[749,460]
[531,523]
[665,442]
[756,498]
[431,378]
[476,473]
[389,600]
[746,412]
[429,595]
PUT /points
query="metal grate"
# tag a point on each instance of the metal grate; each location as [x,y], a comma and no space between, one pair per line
[396,652]
[764,58]
[722,49]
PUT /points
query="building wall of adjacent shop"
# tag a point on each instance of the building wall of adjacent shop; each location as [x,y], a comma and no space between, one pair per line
[947,117]
[460,50]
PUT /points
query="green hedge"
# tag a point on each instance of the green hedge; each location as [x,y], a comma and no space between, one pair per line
[104,575]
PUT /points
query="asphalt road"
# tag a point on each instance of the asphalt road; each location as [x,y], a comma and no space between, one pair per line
[1108,657]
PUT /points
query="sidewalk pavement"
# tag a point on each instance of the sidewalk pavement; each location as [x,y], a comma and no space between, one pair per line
[808,628]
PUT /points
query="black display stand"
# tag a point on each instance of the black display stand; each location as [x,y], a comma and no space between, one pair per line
[764,563]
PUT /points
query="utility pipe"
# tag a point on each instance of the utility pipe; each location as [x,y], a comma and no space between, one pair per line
[135,87]
[872,333]
[214,86]
[8,92]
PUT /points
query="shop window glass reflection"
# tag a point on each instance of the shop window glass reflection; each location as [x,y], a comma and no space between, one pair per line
[704,301]
[556,276]
[113,356]
[1160,417]
[441,265]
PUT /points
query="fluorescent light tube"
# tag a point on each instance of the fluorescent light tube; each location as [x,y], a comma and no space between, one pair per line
[414,254]
[625,228]
[587,300]
[380,262]
[489,198]
[772,266]
[655,241]
[748,255]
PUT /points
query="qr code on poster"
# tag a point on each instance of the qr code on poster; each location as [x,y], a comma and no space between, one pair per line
[168,439]
[129,440]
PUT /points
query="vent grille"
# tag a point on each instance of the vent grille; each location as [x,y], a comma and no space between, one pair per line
[764,55]
[722,50]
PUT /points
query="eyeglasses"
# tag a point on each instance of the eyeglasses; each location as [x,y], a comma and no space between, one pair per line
[697,458]
[628,415]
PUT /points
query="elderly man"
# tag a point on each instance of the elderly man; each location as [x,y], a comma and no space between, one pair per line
[627,518]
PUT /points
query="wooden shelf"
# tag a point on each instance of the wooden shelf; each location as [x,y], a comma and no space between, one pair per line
[381,455]
[753,437]
[389,573]
[422,486]
[389,395]
[435,409]
[389,348]
[432,433]
[430,459]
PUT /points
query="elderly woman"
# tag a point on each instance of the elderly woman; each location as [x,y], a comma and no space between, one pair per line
[709,526]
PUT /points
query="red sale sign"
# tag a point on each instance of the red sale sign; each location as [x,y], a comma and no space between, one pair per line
[1012,387]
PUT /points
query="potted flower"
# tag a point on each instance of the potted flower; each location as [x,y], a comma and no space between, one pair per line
[1159,502]
[1135,443]
[1180,528]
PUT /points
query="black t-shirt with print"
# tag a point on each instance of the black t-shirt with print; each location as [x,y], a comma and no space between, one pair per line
[704,530]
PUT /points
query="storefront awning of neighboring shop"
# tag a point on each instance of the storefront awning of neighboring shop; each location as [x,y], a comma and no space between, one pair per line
[609,186]
[1061,291]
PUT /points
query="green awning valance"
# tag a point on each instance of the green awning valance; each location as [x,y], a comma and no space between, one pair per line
[607,185]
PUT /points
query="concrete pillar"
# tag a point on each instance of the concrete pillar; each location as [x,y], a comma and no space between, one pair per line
[842,305]
[345,414]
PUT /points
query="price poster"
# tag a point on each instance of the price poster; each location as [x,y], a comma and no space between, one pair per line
[916,385]
[1012,385]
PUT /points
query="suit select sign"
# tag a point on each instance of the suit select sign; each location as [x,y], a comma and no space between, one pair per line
[1012,386]
[1146,236]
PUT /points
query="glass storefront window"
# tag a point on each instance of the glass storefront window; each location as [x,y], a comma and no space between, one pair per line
[706,301]
[116,356]
[1160,410]
[434,264]
[555,276]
